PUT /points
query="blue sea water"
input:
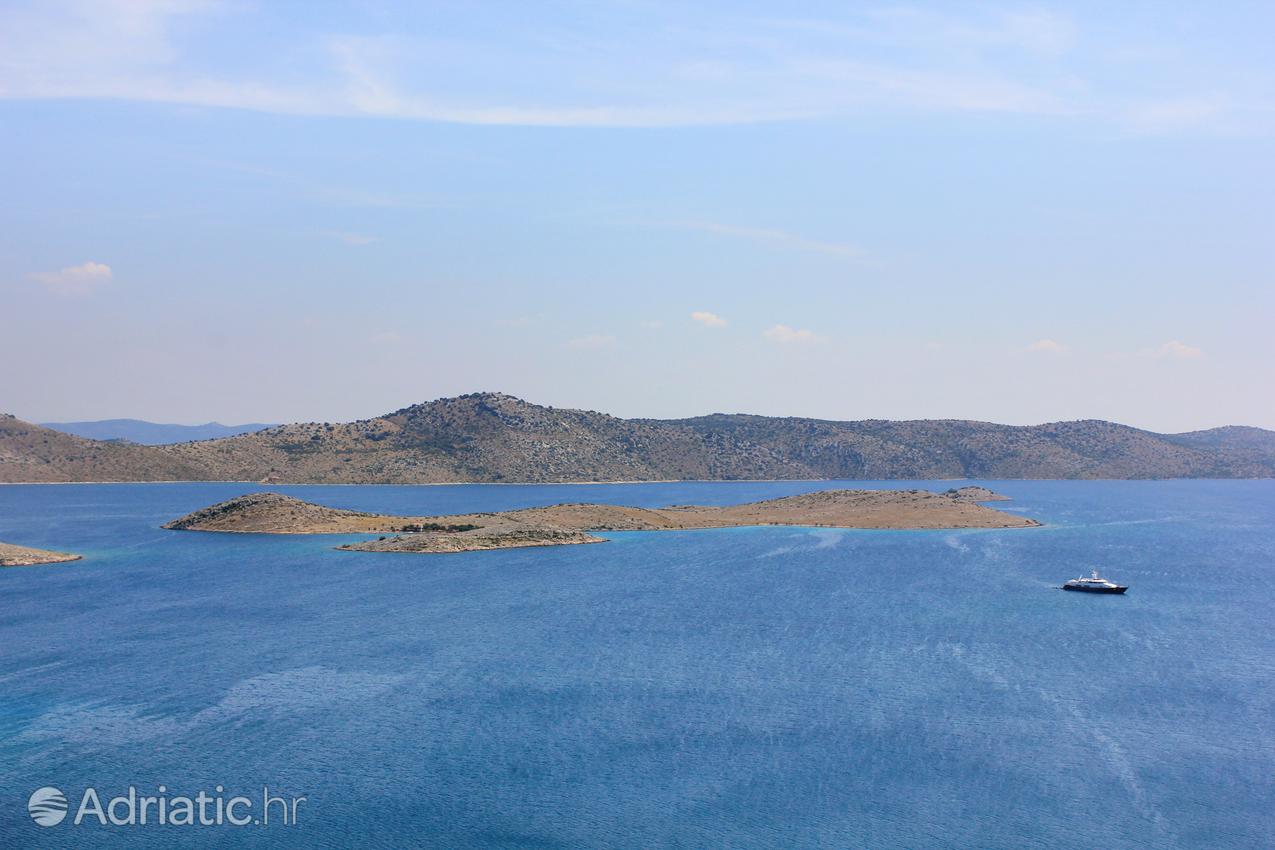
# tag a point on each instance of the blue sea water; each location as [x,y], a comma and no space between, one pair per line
[744,688]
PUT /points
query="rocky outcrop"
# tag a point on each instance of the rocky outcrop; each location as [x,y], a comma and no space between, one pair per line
[974,493]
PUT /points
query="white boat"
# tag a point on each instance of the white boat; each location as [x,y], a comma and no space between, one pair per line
[1094,584]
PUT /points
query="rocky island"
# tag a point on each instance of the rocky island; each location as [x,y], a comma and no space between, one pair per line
[24,556]
[556,525]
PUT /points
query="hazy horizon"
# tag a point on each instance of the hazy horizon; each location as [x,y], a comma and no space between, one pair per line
[1015,213]
[264,424]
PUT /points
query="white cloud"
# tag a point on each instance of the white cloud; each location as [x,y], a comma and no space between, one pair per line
[386,338]
[75,280]
[592,342]
[1047,345]
[788,336]
[780,238]
[709,320]
[1173,350]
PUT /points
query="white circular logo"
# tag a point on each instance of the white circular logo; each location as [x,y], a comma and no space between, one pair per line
[47,806]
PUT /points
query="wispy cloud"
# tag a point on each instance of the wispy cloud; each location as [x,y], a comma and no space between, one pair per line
[947,91]
[1173,350]
[785,335]
[593,342]
[1048,346]
[322,191]
[708,320]
[1031,31]
[518,321]
[779,238]
[1157,116]
[75,280]
[354,240]
[675,66]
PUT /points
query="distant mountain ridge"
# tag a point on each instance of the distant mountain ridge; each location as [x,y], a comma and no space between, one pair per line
[493,437]
[151,433]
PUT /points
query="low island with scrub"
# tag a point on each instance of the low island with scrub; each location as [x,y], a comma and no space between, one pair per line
[563,524]
[25,556]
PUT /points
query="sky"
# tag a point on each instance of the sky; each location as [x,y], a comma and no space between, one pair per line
[1021,213]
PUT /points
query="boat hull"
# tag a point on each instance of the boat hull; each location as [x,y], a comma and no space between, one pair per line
[1116,589]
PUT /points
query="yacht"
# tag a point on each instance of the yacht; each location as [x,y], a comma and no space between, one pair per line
[1094,584]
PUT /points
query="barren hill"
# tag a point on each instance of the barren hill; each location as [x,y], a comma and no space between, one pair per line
[31,453]
[274,513]
[494,437]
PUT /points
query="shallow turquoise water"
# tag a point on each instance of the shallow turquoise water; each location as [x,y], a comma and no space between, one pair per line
[740,688]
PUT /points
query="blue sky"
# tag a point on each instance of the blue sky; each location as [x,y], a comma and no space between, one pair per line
[271,212]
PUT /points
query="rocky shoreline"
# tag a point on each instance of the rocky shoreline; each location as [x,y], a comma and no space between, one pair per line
[431,543]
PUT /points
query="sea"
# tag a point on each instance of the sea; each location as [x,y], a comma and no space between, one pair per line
[730,688]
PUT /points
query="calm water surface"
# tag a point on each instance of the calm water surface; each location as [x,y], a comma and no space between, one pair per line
[743,688]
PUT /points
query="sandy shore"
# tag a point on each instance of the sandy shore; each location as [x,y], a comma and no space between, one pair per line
[24,556]
[272,513]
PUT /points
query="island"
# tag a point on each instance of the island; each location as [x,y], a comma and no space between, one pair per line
[24,556]
[565,524]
